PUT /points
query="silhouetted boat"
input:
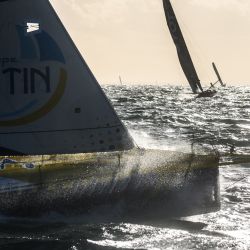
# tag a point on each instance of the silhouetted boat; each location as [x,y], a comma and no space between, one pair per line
[183,53]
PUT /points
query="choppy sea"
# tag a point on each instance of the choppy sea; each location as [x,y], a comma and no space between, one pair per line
[164,117]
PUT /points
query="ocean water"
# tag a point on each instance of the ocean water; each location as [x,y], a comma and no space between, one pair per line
[164,117]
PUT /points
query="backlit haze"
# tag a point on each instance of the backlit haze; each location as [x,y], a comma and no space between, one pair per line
[131,38]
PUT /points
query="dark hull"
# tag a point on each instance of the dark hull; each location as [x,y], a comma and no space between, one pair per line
[207,93]
[132,186]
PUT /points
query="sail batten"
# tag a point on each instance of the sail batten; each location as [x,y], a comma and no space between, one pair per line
[181,47]
[50,101]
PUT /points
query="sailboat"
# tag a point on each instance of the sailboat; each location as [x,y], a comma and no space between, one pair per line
[63,147]
[183,53]
[120,80]
[218,77]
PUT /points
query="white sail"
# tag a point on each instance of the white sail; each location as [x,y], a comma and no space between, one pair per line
[50,102]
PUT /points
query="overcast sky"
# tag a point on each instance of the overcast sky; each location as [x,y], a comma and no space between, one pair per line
[130,38]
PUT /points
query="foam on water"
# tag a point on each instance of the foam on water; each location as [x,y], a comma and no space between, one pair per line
[145,140]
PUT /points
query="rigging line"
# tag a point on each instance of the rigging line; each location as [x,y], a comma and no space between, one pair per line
[191,158]
[232,185]
[216,151]
[136,145]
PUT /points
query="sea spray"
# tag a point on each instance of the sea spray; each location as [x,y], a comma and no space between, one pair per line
[139,182]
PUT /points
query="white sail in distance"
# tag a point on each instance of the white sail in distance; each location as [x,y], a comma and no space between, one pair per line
[50,102]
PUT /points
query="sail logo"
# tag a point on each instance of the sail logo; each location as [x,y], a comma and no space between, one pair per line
[35,81]
[32,27]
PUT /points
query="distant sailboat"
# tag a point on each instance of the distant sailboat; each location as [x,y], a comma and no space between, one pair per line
[183,53]
[218,76]
[120,80]
[63,146]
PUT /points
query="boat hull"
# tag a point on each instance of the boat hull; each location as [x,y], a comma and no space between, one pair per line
[133,185]
[207,93]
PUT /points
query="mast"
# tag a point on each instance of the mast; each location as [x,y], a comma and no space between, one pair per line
[181,47]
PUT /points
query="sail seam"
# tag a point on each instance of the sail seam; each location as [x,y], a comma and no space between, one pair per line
[60,130]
